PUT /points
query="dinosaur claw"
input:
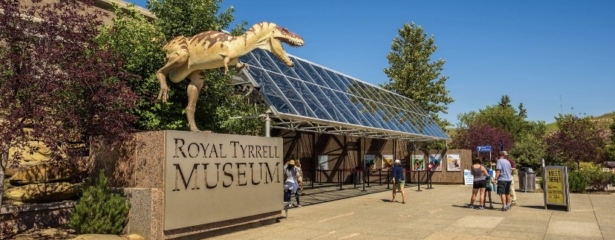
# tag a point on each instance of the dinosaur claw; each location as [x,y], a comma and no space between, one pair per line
[163,95]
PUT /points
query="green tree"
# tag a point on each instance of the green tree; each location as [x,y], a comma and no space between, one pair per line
[504,116]
[529,151]
[505,102]
[412,73]
[612,128]
[528,136]
[522,111]
[137,40]
[181,18]
[99,210]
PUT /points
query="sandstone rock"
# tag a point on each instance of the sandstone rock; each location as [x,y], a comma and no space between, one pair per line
[98,237]
[35,151]
[6,184]
[134,237]
[43,192]
[10,171]
[42,173]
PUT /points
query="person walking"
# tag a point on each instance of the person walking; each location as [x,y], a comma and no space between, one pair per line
[299,176]
[291,184]
[398,181]
[503,178]
[480,183]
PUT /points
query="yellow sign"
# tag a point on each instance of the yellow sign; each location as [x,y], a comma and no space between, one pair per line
[555,186]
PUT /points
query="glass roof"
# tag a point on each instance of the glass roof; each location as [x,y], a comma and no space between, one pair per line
[309,97]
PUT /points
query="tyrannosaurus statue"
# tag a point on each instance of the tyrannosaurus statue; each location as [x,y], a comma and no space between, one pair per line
[189,56]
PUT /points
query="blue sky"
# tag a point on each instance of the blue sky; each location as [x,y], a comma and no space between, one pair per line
[552,56]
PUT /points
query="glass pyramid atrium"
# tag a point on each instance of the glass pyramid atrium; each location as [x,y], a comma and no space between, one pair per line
[312,98]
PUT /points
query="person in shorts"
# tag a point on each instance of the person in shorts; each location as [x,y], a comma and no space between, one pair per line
[480,183]
[490,188]
[398,181]
[503,178]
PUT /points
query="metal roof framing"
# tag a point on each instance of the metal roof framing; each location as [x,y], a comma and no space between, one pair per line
[312,98]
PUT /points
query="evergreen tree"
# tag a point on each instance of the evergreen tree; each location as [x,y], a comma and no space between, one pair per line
[505,102]
[412,73]
[99,210]
[522,111]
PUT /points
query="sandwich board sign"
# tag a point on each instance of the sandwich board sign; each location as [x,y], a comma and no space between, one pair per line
[556,189]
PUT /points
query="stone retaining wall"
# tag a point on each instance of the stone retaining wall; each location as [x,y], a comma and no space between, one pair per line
[35,215]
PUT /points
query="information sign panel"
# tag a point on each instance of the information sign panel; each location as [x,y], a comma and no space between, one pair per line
[556,186]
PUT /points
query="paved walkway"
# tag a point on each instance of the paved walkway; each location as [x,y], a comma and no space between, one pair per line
[437,213]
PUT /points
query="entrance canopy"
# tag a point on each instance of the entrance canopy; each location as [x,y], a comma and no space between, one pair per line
[312,98]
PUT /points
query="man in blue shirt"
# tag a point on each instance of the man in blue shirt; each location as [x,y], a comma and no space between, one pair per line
[503,176]
[398,181]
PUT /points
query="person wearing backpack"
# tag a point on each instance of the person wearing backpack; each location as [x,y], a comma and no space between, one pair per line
[398,181]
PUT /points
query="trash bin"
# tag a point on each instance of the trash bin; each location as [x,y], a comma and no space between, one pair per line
[527,180]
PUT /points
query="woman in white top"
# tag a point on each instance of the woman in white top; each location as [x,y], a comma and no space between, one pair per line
[292,183]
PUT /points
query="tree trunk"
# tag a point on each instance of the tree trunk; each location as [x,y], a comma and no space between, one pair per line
[3,164]
[1,180]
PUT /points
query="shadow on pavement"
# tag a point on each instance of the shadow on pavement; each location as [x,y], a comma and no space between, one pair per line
[534,207]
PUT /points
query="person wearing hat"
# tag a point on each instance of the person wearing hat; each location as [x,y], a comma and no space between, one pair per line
[503,178]
[398,181]
[292,183]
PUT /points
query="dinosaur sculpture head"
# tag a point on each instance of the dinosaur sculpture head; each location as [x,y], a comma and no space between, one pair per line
[272,38]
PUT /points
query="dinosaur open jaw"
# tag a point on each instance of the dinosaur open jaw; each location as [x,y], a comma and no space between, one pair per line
[284,58]
[291,41]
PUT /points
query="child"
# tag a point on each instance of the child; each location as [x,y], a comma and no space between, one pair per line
[490,187]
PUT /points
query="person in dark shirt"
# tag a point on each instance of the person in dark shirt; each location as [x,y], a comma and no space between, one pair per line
[398,181]
[480,183]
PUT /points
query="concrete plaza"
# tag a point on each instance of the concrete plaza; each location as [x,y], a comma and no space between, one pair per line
[439,213]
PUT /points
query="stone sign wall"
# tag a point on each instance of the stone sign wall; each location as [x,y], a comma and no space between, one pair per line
[213,177]
[190,184]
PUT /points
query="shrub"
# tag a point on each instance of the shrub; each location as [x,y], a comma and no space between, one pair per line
[601,179]
[577,181]
[99,210]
